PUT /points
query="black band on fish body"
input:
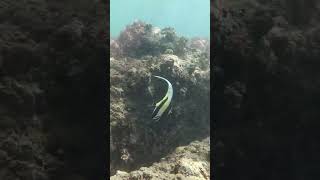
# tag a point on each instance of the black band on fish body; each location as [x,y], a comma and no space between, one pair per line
[159,107]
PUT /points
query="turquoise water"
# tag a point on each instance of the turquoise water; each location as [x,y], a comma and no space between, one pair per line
[190,18]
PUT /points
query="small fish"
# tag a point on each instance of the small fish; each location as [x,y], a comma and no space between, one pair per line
[162,105]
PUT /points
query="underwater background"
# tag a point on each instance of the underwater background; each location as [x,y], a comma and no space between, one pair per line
[151,38]
[53,93]
[190,19]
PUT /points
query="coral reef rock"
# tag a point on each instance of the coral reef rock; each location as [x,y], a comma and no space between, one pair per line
[266,60]
[185,162]
[50,54]
[136,140]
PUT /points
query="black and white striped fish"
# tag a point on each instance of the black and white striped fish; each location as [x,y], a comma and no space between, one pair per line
[163,105]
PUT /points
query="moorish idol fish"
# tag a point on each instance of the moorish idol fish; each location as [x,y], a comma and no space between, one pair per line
[163,105]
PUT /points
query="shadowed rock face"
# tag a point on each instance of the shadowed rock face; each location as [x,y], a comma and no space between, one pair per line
[136,140]
[140,51]
[265,92]
[185,162]
[51,89]
[301,12]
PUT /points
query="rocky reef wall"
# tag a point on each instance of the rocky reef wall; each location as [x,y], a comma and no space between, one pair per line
[265,89]
[185,162]
[136,140]
[52,59]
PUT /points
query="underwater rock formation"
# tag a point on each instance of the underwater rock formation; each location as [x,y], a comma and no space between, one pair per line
[265,63]
[136,140]
[185,162]
[50,67]
[140,39]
